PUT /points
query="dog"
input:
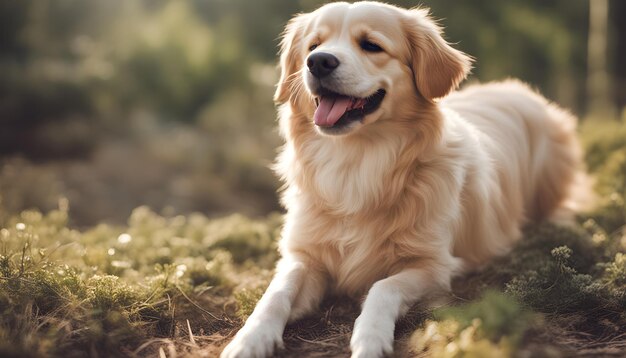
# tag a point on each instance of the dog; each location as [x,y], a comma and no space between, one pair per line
[394,182]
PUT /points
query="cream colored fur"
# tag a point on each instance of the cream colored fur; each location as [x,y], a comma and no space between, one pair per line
[419,191]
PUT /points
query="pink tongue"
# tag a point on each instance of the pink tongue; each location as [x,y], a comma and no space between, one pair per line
[330,110]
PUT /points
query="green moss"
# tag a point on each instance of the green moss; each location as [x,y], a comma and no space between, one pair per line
[245,239]
[492,326]
[247,300]
[558,288]
[614,279]
[107,293]
[615,272]
[533,253]
[500,315]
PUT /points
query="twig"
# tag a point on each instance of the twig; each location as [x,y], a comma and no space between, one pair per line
[195,304]
[190,333]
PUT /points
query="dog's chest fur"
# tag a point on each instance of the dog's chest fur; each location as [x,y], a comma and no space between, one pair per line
[347,208]
[354,252]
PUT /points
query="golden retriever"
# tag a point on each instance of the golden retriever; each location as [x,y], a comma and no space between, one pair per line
[393,185]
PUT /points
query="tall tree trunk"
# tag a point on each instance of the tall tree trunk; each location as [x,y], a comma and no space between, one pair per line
[598,80]
[618,17]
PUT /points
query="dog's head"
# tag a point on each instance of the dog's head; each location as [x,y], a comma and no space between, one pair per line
[351,65]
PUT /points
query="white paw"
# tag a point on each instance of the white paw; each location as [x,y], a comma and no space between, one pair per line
[371,340]
[254,340]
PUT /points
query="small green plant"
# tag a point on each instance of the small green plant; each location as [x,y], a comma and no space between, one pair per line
[492,326]
[247,300]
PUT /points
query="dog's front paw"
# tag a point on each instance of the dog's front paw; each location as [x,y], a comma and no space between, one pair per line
[254,341]
[371,340]
[371,346]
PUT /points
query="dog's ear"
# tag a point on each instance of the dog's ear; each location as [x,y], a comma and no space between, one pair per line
[437,67]
[290,57]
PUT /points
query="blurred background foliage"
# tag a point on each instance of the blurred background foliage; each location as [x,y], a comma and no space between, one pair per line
[115,104]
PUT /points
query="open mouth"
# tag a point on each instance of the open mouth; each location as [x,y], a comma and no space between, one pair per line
[335,110]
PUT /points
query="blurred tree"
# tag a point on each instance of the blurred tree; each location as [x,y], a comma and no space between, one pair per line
[598,80]
[617,14]
[38,83]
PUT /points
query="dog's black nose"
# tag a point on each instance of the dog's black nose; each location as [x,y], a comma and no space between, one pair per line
[322,64]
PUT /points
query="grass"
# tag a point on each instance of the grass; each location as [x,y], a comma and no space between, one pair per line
[182,285]
[108,290]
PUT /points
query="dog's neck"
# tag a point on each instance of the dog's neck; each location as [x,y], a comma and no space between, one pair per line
[363,170]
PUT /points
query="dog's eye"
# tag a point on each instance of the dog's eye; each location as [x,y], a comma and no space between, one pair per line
[313,47]
[370,46]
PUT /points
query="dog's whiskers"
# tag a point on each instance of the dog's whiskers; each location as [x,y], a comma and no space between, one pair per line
[294,75]
[296,87]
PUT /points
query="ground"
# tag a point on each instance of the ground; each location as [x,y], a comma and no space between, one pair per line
[181,286]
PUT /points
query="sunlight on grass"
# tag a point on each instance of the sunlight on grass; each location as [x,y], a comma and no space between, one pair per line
[111,288]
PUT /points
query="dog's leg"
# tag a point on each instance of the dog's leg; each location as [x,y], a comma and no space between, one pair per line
[387,300]
[263,330]
[310,295]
